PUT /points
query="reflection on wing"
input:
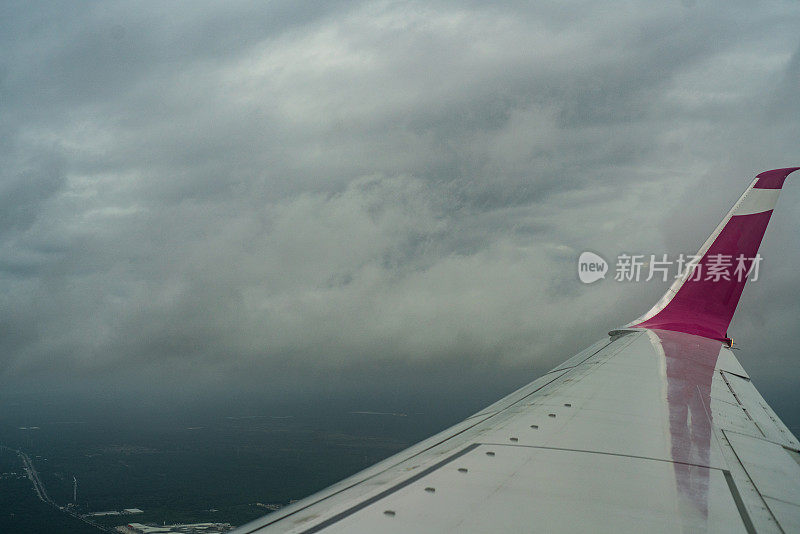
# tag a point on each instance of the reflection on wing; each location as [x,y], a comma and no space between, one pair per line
[690,371]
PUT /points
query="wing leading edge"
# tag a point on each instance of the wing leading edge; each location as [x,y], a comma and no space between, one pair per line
[655,427]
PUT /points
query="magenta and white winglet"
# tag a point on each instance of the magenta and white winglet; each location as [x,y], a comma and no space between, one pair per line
[705,307]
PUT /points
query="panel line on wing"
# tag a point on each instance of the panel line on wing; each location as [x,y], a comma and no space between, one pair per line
[744,409]
[397,487]
[773,473]
[765,438]
[567,365]
[604,453]
[737,498]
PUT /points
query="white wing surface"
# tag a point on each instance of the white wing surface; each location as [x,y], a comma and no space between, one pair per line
[656,428]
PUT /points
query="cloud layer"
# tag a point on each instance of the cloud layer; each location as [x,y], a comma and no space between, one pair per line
[237,189]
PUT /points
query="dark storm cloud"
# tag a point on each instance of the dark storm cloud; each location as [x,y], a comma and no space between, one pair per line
[307,188]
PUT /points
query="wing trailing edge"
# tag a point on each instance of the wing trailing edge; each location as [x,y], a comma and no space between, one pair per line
[702,304]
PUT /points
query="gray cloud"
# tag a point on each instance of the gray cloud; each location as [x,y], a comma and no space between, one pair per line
[309,188]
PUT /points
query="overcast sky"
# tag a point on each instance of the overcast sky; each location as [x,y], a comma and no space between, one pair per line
[288,193]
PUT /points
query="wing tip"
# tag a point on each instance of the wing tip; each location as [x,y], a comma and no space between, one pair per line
[705,306]
[774,178]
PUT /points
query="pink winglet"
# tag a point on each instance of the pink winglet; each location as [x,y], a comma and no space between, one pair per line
[704,305]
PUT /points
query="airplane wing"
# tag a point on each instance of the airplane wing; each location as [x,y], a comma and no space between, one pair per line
[655,428]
